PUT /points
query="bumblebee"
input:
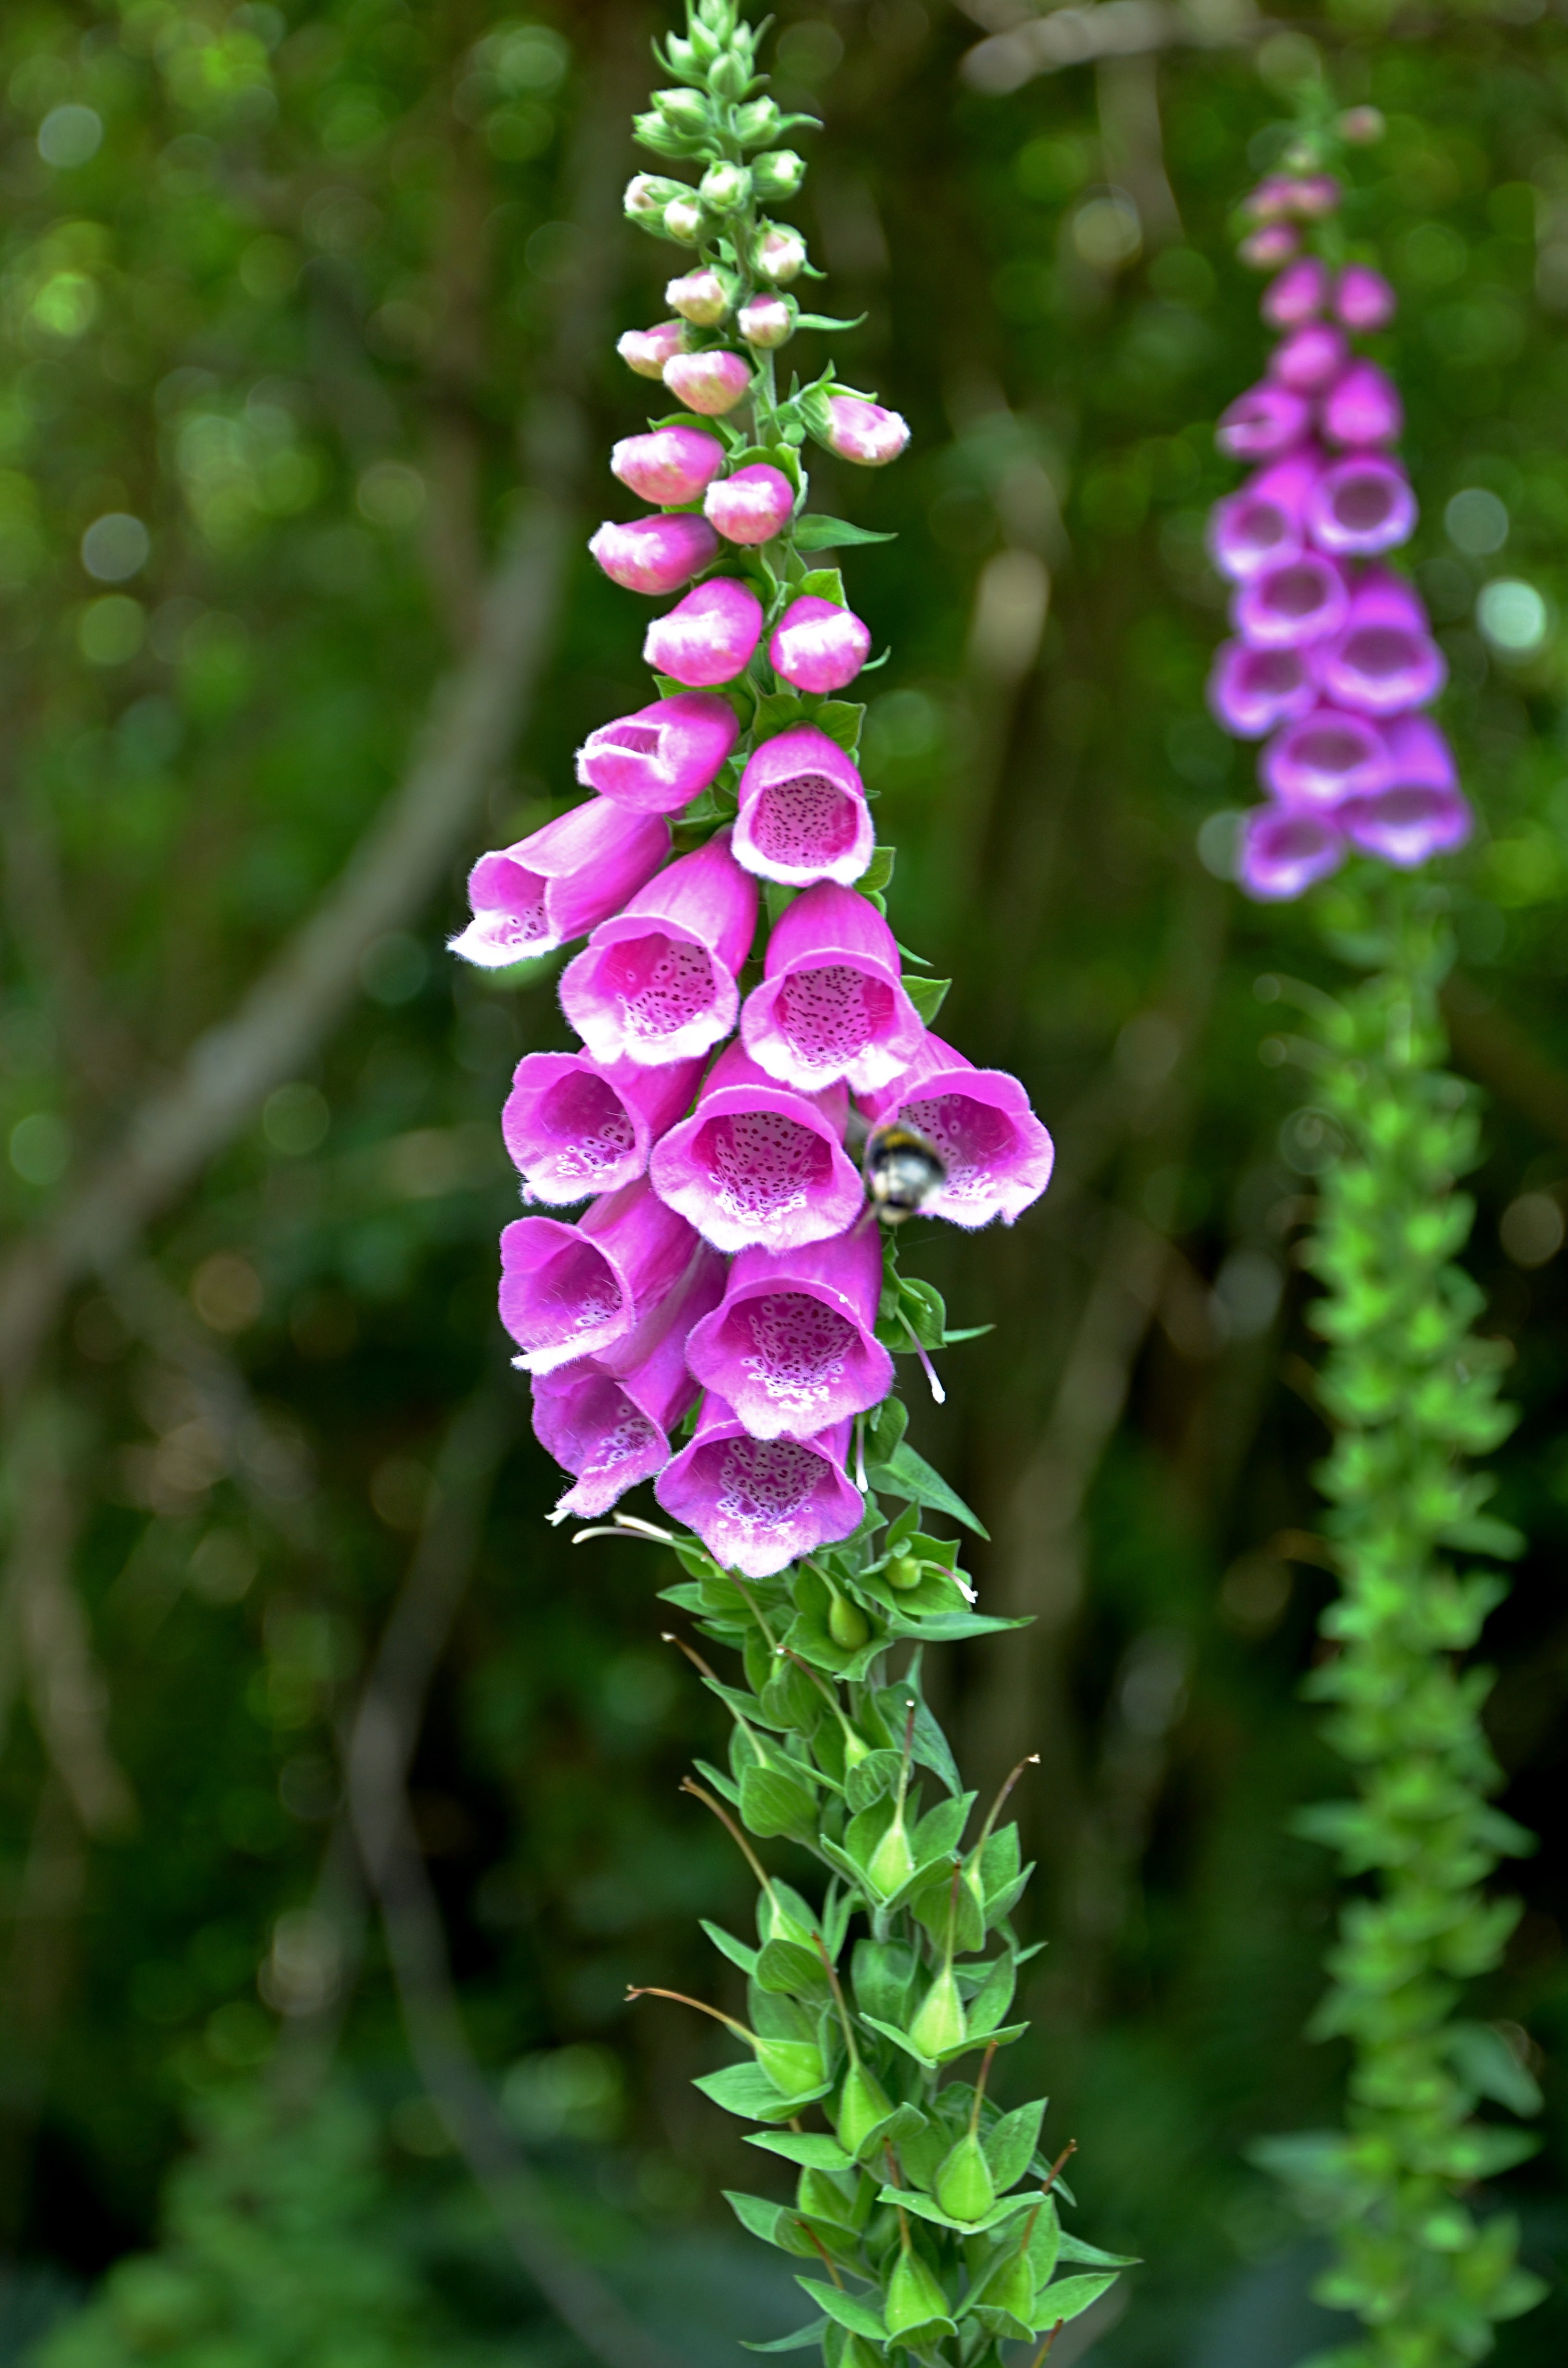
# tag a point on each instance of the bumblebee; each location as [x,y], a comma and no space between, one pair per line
[902,1171]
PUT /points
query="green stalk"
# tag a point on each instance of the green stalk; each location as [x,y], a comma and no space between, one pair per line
[1411,1394]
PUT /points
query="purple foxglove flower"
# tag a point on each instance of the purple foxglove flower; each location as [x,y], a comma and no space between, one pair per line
[1300,293]
[793,1347]
[864,432]
[661,757]
[1422,812]
[759,1504]
[1270,244]
[1309,358]
[574,1128]
[708,637]
[752,505]
[1296,601]
[1315,195]
[702,297]
[647,350]
[1324,758]
[657,983]
[816,645]
[710,383]
[1385,659]
[831,1004]
[1362,407]
[1264,521]
[1363,299]
[1283,854]
[758,1165]
[576,1290]
[1262,424]
[655,554]
[1271,200]
[670,465]
[1362,505]
[559,883]
[606,1420]
[765,322]
[997,1155]
[1251,691]
[803,816]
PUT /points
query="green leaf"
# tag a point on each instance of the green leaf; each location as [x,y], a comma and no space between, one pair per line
[927,994]
[1073,2249]
[823,584]
[755,2213]
[821,320]
[805,2338]
[856,2315]
[1010,2143]
[905,1474]
[926,2207]
[807,2148]
[788,1967]
[878,872]
[1069,2299]
[841,719]
[745,2089]
[728,1946]
[773,1802]
[1485,2062]
[815,532]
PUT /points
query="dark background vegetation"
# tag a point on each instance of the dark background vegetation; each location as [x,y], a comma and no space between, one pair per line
[324,294]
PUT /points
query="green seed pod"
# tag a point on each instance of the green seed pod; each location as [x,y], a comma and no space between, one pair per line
[725,187]
[905,1573]
[757,122]
[856,1747]
[685,110]
[964,2185]
[847,1624]
[792,2065]
[683,220]
[914,2297]
[778,173]
[893,1860]
[940,2022]
[862,2105]
[1012,2289]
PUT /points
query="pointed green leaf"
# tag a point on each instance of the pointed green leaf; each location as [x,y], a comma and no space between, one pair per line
[856,2315]
[815,532]
[807,2148]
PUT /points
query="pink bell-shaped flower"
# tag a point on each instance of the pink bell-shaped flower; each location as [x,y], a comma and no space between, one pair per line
[606,1419]
[1362,407]
[1421,810]
[557,883]
[753,506]
[670,465]
[817,645]
[1361,506]
[792,1346]
[708,637]
[1324,758]
[1300,293]
[997,1156]
[759,1504]
[757,1165]
[1306,360]
[577,1290]
[832,1003]
[1293,603]
[710,383]
[1264,521]
[1263,423]
[1283,854]
[661,757]
[647,350]
[803,816]
[1251,691]
[655,554]
[1363,299]
[575,1127]
[657,981]
[1384,660]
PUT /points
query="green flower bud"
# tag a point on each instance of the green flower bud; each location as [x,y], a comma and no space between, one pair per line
[775,1923]
[856,1747]
[683,220]
[847,1624]
[725,187]
[730,76]
[914,2297]
[647,195]
[905,1573]
[859,2354]
[941,2022]
[1012,2289]
[792,2065]
[893,1860]
[757,122]
[653,132]
[685,110]
[862,2106]
[778,253]
[778,174]
[964,2185]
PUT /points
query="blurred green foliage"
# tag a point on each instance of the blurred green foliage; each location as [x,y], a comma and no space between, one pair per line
[274,285]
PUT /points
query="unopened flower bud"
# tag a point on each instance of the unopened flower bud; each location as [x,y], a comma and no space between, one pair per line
[683,220]
[1265,249]
[1317,194]
[847,1624]
[752,505]
[655,554]
[779,255]
[1362,298]
[686,110]
[652,131]
[725,187]
[1362,126]
[1271,200]
[905,1573]
[730,76]
[766,321]
[914,2299]
[669,465]
[858,430]
[778,173]
[816,645]
[647,350]
[863,2107]
[703,297]
[940,2022]
[647,195]
[964,2185]
[757,122]
[711,382]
